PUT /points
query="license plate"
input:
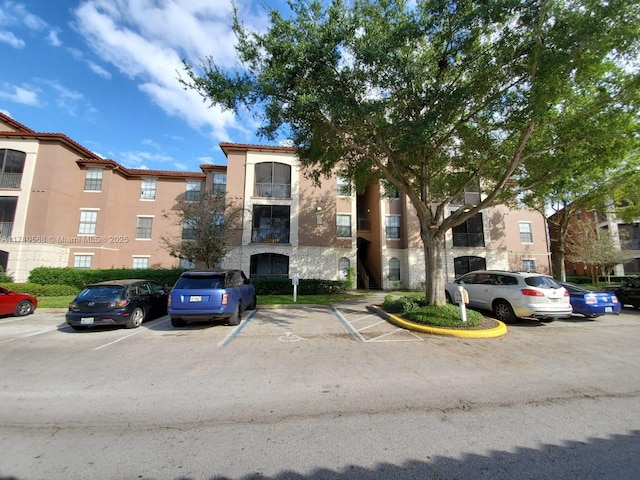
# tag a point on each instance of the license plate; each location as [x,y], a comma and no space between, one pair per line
[195,298]
[555,299]
[608,309]
[86,320]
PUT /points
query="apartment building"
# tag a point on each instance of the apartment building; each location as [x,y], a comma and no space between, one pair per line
[626,238]
[62,205]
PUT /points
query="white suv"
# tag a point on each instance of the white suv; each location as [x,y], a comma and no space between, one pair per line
[513,294]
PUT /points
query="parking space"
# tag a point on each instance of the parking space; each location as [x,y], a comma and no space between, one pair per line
[352,323]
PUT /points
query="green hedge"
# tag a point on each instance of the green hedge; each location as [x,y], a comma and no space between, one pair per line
[38,290]
[307,286]
[79,278]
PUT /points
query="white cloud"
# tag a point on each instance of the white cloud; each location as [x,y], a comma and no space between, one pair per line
[26,95]
[146,41]
[16,15]
[98,70]
[11,39]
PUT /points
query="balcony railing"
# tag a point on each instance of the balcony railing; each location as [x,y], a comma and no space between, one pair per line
[273,190]
[270,235]
[10,180]
[630,244]
[5,229]
[469,198]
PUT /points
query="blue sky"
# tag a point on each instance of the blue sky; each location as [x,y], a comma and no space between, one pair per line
[104,73]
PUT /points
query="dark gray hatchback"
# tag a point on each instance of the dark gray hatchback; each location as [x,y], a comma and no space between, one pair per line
[117,302]
[210,295]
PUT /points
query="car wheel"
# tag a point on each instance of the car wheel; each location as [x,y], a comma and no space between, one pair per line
[504,312]
[253,304]
[178,322]
[236,317]
[137,316]
[25,307]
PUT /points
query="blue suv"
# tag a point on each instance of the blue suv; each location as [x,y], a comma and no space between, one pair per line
[210,295]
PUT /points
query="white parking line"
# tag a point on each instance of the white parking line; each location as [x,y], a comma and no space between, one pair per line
[137,331]
[32,334]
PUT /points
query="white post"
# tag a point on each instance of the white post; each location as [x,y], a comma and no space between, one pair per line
[294,281]
[461,301]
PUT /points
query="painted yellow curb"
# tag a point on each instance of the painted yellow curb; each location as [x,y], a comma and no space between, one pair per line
[498,331]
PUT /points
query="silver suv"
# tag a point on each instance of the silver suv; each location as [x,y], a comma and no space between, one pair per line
[510,295]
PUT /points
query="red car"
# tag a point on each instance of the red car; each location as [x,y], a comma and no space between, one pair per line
[16,303]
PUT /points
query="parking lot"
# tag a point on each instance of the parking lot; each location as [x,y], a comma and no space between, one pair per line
[347,322]
[286,379]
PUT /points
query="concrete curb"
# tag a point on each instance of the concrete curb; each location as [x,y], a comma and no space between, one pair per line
[498,331]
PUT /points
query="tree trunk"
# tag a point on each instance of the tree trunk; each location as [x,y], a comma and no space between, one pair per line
[557,261]
[433,267]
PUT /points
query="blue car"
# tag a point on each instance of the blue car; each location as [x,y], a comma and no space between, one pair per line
[211,295]
[592,303]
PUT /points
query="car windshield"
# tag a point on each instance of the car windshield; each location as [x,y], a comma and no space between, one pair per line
[542,282]
[200,282]
[97,292]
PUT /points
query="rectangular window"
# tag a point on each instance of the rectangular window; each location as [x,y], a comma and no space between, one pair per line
[184,263]
[82,261]
[272,180]
[143,228]
[344,226]
[270,224]
[88,221]
[193,190]
[219,183]
[469,233]
[526,233]
[93,180]
[393,226]
[529,265]
[148,191]
[343,187]
[140,262]
[189,229]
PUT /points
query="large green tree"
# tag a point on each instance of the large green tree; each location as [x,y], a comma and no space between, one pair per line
[433,96]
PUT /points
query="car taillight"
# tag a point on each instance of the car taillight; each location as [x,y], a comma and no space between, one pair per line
[225,298]
[119,304]
[168,300]
[529,292]
[566,293]
[614,299]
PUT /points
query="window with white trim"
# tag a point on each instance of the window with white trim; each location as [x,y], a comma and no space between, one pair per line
[143,228]
[82,261]
[88,221]
[148,189]
[394,269]
[140,262]
[343,187]
[187,264]
[528,265]
[93,179]
[343,226]
[526,232]
[392,229]
[343,268]
[193,190]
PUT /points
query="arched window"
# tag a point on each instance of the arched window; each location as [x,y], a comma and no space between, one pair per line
[343,268]
[269,265]
[273,180]
[462,265]
[394,269]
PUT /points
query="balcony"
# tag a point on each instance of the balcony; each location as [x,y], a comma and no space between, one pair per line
[633,244]
[270,235]
[469,198]
[10,180]
[273,190]
[5,229]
